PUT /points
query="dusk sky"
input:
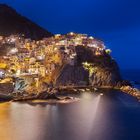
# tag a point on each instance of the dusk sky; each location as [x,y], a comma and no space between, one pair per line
[116,22]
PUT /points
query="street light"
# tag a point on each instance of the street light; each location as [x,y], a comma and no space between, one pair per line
[71,33]
[13,51]
[2,74]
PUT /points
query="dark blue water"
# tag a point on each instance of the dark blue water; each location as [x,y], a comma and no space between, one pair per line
[132,75]
[113,116]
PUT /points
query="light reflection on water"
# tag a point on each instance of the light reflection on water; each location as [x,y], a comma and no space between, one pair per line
[94,117]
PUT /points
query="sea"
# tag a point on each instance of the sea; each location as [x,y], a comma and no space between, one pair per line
[105,115]
[133,76]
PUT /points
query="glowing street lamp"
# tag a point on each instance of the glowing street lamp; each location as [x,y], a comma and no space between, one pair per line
[71,33]
[13,51]
[2,73]
[57,35]
[91,37]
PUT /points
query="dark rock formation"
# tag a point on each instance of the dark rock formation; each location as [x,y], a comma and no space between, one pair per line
[4,98]
[6,88]
[107,72]
[13,23]
[131,91]
[45,96]
[73,75]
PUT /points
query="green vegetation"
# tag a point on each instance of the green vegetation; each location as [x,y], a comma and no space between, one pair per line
[90,68]
[108,51]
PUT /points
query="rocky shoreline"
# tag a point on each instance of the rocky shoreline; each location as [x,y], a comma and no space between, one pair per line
[54,96]
[64,95]
[131,91]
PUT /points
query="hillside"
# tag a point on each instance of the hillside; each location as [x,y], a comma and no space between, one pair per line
[13,23]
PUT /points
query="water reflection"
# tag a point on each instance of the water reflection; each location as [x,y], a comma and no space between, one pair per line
[22,121]
[5,125]
[106,117]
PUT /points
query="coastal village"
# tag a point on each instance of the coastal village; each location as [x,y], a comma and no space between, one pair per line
[33,66]
[34,60]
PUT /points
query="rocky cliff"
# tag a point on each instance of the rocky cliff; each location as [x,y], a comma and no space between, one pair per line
[73,76]
[105,71]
